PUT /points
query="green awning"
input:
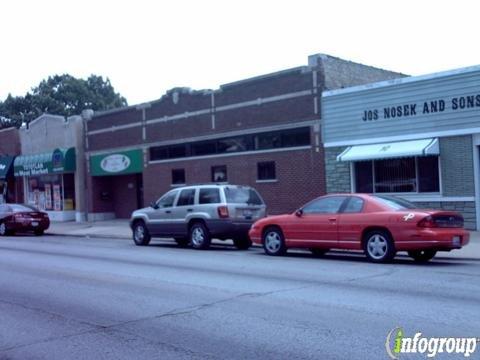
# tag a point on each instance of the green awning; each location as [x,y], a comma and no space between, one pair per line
[57,161]
[5,165]
[117,163]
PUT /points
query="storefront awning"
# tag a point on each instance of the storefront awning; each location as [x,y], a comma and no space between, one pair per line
[422,147]
[57,161]
[5,165]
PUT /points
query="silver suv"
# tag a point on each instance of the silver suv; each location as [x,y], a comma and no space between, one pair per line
[196,214]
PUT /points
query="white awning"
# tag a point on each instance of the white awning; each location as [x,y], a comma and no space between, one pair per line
[422,147]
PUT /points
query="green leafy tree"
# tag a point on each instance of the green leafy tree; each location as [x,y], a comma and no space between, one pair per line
[60,95]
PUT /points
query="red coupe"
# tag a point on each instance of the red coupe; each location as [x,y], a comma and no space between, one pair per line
[379,225]
[22,217]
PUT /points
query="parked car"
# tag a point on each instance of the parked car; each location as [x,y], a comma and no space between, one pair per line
[196,214]
[22,217]
[379,225]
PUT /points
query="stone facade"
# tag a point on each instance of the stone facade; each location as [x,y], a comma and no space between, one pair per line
[337,172]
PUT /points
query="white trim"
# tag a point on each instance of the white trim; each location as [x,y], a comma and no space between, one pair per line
[229,154]
[288,126]
[114,128]
[445,133]
[269,181]
[184,115]
[476,177]
[399,81]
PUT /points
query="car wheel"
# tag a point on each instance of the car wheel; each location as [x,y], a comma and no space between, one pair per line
[181,241]
[319,252]
[242,243]
[378,246]
[38,232]
[3,229]
[200,236]
[274,242]
[141,236]
[422,255]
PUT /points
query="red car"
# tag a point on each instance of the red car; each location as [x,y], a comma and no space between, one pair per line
[379,225]
[22,217]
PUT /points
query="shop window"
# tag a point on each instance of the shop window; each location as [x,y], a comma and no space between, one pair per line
[68,192]
[178,176]
[204,148]
[404,175]
[219,174]
[266,170]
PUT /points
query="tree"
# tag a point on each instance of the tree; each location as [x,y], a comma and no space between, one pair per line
[60,95]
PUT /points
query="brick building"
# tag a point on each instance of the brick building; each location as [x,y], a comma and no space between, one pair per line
[10,189]
[415,137]
[264,132]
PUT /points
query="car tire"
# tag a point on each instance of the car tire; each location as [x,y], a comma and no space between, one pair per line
[378,246]
[200,236]
[141,235]
[3,229]
[422,255]
[182,241]
[39,232]
[242,243]
[274,242]
[319,252]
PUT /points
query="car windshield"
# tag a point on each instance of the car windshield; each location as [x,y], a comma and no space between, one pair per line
[242,195]
[395,203]
[22,207]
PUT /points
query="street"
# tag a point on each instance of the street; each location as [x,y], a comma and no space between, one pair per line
[91,298]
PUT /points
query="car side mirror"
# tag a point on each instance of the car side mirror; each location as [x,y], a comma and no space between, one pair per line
[154,205]
[299,213]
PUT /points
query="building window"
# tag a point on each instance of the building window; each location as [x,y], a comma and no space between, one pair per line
[219,174]
[178,176]
[404,175]
[266,170]
[250,142]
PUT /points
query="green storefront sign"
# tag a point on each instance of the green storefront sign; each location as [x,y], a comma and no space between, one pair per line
[117,163]
[56,162]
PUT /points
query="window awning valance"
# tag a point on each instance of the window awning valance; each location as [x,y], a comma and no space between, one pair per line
[398,149]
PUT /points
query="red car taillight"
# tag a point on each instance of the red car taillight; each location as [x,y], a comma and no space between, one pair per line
[427,222]
[222,211]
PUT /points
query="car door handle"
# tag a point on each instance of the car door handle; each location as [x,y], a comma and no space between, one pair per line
[168,212]
[189,210]
[332,219]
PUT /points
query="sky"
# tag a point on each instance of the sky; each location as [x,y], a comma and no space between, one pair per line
[146,47]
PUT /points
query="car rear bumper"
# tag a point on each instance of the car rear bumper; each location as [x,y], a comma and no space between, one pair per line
[437,239]
[28,226]
[228,229]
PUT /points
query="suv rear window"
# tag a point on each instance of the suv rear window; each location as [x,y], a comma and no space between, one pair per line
[209,196]
[242,196]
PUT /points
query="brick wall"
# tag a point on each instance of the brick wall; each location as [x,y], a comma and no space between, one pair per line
[457,166]
[299,176]
[9,142]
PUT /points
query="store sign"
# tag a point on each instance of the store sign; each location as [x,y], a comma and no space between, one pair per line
[423,108]
[58,161]
[33,169]
[117,163]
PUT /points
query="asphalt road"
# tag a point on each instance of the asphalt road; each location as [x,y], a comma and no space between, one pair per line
[76,298]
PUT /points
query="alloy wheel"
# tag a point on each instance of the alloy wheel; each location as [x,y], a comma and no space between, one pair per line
[377,246]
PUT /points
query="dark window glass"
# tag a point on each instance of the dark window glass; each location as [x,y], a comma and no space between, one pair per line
[428,174]
[268,141]
[177,151]
[363,177]
[296,137]
[395,175]
[158,153]
[355,205]
[395,203]
[167,199]
[327,205]
[242,195]
[209,196]
[204,148]
[219,173]
[186,197]
[266,170]
[236,144]
[178,176]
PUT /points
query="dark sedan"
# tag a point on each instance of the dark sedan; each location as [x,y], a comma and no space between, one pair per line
[22,217]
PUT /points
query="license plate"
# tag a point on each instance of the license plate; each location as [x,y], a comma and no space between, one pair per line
[456,241]
[34,223]
[247,213]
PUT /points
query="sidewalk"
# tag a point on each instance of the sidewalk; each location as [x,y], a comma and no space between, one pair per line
[120,229]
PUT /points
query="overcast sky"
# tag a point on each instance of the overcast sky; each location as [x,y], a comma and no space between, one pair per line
[147,47]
